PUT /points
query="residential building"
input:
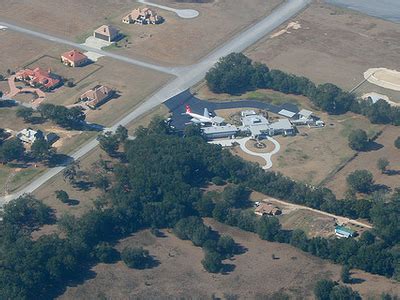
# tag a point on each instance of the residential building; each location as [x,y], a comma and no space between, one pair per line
[39,78]
[264,209]
[29,135]
[305,117]
[142,16]
[74,58]
[97,96]
[258,126]
[223,131]
[107,33]
[344,232]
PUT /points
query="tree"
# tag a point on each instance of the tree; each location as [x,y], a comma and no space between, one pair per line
[101,181]
[231,74]
[226,246]
[299,239]
[109,143]
[358,140]
[70,173]
[345,274]
[341,292]
[397,143]
[323,289]
[42,150]
[11,149]
[382,164]
[136,258]
[26,212]
[212,262]
[205,206]
[268,228]
[121,133]
[236,195]
[25,113]
[62,196]
[360,181]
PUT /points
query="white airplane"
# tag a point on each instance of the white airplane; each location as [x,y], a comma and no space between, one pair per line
[196,118]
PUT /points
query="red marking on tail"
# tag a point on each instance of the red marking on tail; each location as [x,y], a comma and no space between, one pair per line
[188,109]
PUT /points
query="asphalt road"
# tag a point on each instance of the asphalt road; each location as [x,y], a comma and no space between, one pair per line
[186,76]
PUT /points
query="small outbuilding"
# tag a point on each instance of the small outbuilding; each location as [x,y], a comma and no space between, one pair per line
[107,33]
[74,58]
[344,232]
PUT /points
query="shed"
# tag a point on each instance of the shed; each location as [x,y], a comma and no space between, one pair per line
[342,231]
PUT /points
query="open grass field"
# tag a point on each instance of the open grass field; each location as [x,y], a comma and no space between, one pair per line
[179,274]
[184,41]
[333,45]
[368,160]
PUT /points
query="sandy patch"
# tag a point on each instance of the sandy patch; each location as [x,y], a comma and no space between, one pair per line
[292,25]
[383,77]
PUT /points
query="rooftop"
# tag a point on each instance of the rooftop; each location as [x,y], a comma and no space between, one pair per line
[74,55]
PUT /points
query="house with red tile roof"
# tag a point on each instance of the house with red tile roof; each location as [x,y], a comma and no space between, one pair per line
[74,58]
[97,96]
[107,33]
[39,78]
[142,16]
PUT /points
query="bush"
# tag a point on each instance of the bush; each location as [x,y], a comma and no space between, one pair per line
[358,140]
[105,253]
[62,196]
[136,258]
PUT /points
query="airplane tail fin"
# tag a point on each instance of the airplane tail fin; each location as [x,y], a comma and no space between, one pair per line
[206,113]
[188,109]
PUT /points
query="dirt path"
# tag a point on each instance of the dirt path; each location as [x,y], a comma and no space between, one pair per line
[340,219]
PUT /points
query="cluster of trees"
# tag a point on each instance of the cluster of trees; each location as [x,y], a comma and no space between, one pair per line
[137,257]
[110,142]
[361,181]
[216,248]
[160,186]
[70,118]
[236,73]
[331,290]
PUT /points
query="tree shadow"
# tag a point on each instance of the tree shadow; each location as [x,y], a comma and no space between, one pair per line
[60,159]
[83,274]
[373,146]
[380,187]
[356,280]
[73,202]
[227,268]
[83,185]
[240,249]
[392,172]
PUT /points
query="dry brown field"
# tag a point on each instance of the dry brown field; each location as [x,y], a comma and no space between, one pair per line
[175,42]
[184,41]
[368,160]
[180,274]
[332,45]
[68,19]
[18,49]
[315,153]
